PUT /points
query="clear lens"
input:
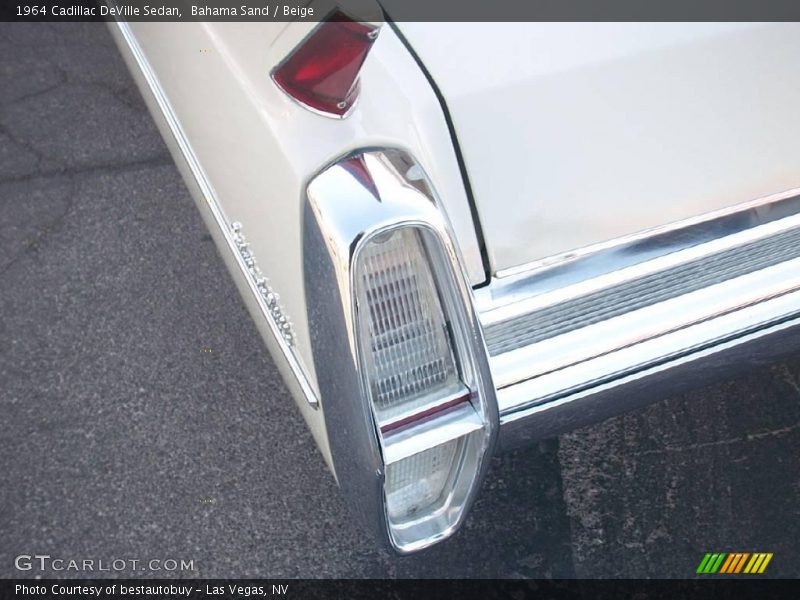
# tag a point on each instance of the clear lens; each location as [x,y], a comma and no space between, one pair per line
[406,348]
[431,436]
[415,485]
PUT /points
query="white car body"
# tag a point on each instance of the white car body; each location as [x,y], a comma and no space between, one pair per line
[575,139]
[258,148]
[575,134]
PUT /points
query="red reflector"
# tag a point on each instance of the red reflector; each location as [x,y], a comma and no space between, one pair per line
[322,72]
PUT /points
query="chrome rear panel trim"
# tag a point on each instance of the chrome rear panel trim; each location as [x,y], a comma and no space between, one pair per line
[511,291]
[649,289]
[619,253]
[642,303]
[662,380]
[639,356]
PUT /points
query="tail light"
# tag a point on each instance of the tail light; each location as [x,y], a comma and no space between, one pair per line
[407,396]
[408,358]
[418,382]
[322,72]
[415,484]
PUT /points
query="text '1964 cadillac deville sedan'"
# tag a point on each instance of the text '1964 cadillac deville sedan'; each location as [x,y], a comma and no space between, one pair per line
[457,238]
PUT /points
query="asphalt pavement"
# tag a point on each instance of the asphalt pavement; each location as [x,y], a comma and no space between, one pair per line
[142,418]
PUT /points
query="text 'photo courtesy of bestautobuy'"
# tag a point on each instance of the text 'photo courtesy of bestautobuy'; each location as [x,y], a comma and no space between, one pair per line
[340,295]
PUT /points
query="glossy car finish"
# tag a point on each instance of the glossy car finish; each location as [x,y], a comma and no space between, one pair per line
[570,327]
[579,133]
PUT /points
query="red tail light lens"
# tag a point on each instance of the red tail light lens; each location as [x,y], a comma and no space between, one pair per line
[322,72]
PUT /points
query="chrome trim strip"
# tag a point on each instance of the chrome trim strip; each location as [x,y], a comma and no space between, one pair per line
[693,277]
[745,315]
[699,366]
[406,442]
[593,262]
[647,289]
[648,301]
[433,405]
[212,205]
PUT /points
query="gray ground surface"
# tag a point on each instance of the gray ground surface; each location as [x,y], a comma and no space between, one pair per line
[116,430]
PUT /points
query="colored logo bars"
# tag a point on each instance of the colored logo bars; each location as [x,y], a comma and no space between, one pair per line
[734,562]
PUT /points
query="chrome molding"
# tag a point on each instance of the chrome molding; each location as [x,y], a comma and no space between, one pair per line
[620,392]
[220,227]
[619,253]
[685,334]
[384,190]
[643,290]
[582,327]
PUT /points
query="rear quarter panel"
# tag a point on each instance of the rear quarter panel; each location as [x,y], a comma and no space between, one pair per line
[258,148]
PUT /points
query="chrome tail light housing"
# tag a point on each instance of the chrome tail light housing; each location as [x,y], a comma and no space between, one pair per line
[399,355]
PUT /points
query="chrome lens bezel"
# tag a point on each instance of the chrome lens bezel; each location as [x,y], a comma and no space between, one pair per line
[358,196]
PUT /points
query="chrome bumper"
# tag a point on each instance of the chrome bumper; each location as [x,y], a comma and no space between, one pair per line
[581,337]
[562,343]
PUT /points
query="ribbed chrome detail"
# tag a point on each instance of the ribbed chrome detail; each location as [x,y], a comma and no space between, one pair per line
[653,288]
[565,333]
[276,311]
